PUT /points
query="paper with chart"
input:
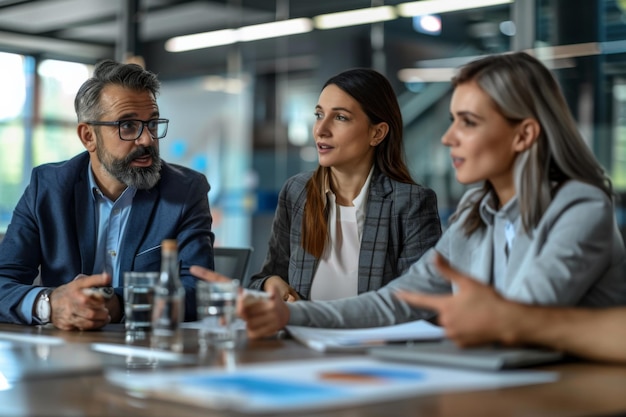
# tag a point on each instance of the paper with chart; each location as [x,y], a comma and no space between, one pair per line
[290,386]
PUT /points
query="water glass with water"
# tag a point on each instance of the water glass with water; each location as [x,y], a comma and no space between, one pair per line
[216,304]
[138,303]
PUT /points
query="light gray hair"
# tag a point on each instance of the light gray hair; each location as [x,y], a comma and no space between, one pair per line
[109,72]
[522,87]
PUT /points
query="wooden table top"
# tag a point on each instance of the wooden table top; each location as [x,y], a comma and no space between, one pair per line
[583,388]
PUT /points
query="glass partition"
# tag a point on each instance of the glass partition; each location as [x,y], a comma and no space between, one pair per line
[37,120]
[12,132]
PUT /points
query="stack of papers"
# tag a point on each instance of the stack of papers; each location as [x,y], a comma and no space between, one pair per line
[325,340]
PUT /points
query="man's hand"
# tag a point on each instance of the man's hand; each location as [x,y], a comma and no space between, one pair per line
[73,308]
[475,315]
[116,310]
[279,286]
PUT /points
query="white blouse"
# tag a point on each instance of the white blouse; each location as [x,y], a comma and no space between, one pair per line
[337,273]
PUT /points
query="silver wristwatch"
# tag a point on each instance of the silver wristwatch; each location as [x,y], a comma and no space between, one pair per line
[43,310]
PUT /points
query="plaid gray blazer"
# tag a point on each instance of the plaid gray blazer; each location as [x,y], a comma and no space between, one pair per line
[401,223]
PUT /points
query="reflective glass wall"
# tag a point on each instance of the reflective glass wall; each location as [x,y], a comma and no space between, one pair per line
[12,132]
[37,120]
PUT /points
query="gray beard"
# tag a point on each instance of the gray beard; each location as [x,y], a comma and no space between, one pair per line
[142,178]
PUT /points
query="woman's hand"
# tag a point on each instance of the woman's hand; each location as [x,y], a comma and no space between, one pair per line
[264,317]
[207,275]
[475,314]
[284,290]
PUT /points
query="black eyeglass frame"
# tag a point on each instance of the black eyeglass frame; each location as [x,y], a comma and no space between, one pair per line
[143,123]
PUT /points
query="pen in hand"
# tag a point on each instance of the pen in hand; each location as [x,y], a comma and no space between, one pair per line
[104,292]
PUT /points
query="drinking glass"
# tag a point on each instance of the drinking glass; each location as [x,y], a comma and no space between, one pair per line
[216,304]
[138,303]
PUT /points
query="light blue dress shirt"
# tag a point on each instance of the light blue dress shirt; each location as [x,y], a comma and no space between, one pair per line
[112,219]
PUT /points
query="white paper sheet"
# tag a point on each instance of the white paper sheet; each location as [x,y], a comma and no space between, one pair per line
[36,339]
[136,351]
[359,339]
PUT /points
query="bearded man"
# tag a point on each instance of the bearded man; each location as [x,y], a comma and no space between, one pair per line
[83,222]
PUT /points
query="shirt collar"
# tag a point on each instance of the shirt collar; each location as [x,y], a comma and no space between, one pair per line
[95,190]
[360,200]
[488,209]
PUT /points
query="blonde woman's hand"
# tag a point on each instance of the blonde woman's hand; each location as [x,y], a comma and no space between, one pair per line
[207,275]
[264,317]
[476,314]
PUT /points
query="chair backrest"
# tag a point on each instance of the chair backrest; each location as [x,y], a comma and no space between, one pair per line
[232,262]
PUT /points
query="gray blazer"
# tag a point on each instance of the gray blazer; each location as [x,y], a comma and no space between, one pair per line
[401,224]
[574,257]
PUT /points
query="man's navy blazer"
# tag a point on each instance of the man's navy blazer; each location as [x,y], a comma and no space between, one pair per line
[53,231]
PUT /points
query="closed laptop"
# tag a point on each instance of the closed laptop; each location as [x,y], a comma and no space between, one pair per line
[448,354]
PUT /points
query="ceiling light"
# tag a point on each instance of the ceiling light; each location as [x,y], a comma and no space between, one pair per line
[275,29]
[417,8]
[508,28]
[201,40]
[243,34]
[566,51]
[355,17]
[426,75]
[229,85]
[428,24]
[554,57]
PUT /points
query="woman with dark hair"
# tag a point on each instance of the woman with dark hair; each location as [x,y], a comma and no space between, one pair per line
[359,220]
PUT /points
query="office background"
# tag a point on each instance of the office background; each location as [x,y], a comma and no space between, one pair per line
[242,112]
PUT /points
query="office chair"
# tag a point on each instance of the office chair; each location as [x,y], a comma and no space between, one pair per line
[233,262]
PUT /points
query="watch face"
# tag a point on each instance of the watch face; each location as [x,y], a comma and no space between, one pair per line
[43,308]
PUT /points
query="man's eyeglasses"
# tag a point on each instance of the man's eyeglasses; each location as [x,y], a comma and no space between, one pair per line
[132,129]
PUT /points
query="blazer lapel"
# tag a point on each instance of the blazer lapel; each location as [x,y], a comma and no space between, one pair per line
[372,256]
[85,217]
[519,252]
[140,216]
[481,256]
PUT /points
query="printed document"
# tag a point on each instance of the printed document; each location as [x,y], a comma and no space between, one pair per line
[325,340]
[292,386]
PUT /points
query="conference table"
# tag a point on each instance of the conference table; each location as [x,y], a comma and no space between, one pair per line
[582,388]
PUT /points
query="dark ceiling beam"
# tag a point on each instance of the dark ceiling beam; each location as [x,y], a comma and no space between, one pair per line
[57,48]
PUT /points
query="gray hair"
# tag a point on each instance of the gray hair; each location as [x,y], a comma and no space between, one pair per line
[522,87]
[109,72]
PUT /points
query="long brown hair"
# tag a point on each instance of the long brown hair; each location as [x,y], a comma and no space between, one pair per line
[378,100]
